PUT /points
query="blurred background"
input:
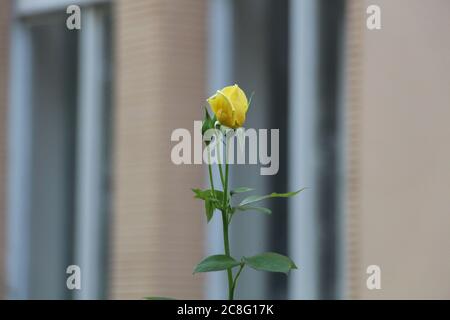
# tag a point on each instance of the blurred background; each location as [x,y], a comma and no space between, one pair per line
[85,122]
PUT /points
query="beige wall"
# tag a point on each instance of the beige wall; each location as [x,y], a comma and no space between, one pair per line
[399,181]
[160,85]
[4,71]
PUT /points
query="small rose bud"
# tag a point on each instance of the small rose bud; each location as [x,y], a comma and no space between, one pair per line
[230,106]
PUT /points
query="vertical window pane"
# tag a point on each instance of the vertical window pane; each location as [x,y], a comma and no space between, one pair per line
[54,109]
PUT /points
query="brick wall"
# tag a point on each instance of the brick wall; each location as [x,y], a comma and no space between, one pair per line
[399,177]
[160,71]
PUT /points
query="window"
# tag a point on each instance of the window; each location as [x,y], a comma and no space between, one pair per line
[289,53]
[59,150]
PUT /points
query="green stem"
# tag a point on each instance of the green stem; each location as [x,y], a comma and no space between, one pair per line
[225,230]
[221,174]
[219,163]
[225,222]
[225,190]
[225,186]
[211,180]
[236,279]
[226,244]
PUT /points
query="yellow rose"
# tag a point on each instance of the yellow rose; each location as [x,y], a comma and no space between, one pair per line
[230,106]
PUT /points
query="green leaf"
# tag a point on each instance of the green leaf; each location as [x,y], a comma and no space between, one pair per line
[270,261]
[252,208]
[211,202]
[200,194]
[252,199]
[158,298]
[207,116]
[216,263]
[208,194]
[208,122]
[240,190]
[209,209]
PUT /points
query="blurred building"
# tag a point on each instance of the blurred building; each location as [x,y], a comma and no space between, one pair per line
[86,117]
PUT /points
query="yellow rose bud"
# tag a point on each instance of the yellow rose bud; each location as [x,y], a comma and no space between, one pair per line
[230,106]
